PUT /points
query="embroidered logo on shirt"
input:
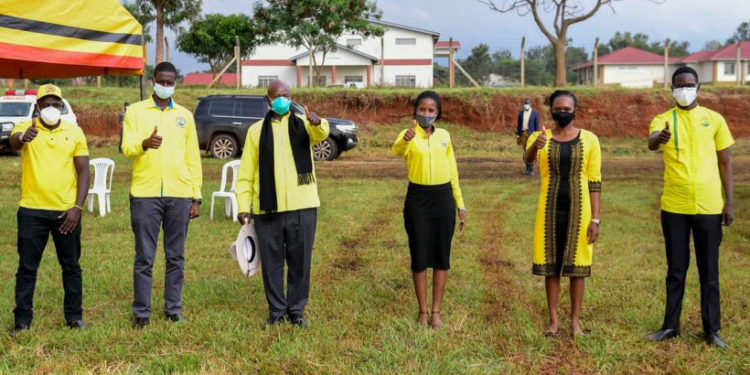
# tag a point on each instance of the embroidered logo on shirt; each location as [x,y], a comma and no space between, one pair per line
[445,143]
[181,122]
[706,123]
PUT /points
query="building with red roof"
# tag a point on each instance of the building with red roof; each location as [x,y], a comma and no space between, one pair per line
[633,67]
[227,79]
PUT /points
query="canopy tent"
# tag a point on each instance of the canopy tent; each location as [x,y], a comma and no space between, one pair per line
[59,39]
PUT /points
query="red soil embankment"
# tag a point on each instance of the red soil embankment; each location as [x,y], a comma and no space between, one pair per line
[608,113]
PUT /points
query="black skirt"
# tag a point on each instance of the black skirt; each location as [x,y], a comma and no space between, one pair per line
[430,220]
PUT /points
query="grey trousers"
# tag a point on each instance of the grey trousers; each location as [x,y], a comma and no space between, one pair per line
[286,236]
[146,216]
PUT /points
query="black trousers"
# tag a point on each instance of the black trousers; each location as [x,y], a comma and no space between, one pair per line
[286,237]
[34,228]
[706,231]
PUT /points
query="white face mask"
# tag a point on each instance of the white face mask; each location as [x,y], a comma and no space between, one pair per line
[163,92]
[526,107]
[685,96]
[50,115]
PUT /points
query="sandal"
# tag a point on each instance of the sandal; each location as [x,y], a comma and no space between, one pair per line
[550,333]
[425,322]
[436,325]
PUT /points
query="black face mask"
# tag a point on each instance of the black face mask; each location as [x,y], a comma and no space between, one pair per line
[563,119]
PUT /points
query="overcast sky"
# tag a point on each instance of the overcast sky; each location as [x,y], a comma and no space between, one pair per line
[471,23]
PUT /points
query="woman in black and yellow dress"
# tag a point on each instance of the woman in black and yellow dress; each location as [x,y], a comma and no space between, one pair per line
[431,201]
[567,220]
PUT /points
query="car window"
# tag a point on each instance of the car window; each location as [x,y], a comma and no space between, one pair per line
[14,109]
[222,107]
[253,108]
[64,110]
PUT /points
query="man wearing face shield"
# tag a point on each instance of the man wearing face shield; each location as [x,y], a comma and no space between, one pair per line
[695,143]
[54,185]
[276,187]
[165,191]
[528,123]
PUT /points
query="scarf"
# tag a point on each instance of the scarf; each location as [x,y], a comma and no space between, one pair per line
[300,143]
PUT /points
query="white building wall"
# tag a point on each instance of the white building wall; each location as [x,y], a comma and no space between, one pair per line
[634,75]
[732,77]
[250,74]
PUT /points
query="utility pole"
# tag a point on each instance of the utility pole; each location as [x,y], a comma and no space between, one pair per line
[523,61]
[738,65]
[382,61]
[310,52]
[239,65]
[596,62]
[451,65]
[666,63]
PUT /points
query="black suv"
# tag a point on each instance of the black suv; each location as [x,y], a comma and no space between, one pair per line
[222,122]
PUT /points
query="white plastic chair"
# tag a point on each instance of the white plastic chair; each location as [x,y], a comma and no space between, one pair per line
[104,169]
[230,198]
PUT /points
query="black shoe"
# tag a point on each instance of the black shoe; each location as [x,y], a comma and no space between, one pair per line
[273,320]
[175,318]
[715,340]
[298,320]
[76,324]
[140,323]
[663,334]
[18,328]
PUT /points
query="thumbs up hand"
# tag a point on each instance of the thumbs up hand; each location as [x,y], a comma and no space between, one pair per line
[30,133]
[154,141]
[411,132]
[541,141]
[665,134]
[312,117]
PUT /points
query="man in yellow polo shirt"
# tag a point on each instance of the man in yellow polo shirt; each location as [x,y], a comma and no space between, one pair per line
[160,136]
[697,164]
[54,185]
[276,183]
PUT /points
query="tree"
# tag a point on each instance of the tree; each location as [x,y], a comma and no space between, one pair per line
[143,15]
[315,25]
[712,45]
[211,39]
[742,33]
[440,75]
[169,13]
[640,40]
[479,63]
[567,13]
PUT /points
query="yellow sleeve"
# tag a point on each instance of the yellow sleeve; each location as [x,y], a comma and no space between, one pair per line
[21,127]
[532,139]
[132,143]
[193,157]
[657,125]
[82,148]
[454,176]
[723,136]
[594,166]
[400,147]
[246,174]
[317,133]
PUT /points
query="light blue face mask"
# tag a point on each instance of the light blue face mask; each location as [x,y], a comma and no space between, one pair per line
[281,105]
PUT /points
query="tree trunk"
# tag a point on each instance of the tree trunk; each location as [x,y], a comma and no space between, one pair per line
[561,79]
[159,33]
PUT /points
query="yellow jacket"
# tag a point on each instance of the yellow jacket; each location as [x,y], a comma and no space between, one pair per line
[174,169]
[430,160]
[290,196]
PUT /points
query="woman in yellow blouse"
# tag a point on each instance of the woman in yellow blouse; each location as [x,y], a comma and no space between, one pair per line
[567,219]
[431,201]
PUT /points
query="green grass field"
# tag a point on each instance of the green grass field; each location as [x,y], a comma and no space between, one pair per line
[362,308]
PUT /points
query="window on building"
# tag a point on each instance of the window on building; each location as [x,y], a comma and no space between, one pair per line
[406,41]
[222,107]
[728,68]
[353,42]
[406,81]
[264,81]
[348,79]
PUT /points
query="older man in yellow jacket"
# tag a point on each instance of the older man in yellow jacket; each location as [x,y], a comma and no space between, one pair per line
[160,136]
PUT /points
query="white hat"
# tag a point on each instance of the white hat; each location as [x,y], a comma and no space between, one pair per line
[245,250]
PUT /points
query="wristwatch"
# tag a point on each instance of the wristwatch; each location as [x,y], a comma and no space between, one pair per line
[596,221]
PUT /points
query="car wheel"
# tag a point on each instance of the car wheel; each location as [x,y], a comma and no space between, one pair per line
[326,150]
[223,146]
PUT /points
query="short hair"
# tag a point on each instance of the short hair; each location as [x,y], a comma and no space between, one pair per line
[165,66]
[683,70]
[563,93]
[429,95]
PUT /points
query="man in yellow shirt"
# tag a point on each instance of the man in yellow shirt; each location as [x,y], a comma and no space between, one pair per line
[160,136]
[276,185]
[697,164]
[54,185]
